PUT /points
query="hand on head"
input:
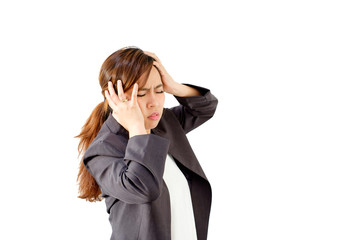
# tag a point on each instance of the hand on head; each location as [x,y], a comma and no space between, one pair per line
[169,84]
[126,111]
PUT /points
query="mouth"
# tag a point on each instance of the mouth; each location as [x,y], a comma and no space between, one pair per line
[154,116]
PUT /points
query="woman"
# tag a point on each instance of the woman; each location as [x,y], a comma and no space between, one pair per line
[137,156]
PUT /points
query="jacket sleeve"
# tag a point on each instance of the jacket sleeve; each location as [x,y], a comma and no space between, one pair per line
[134,177]
[194,111]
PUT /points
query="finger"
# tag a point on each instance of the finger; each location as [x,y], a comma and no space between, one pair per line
[121,93]
[153,56]
[120,88]
[156,64]
[149,53]
[112,92]
[111,89]
[134,93]
[110,101]
[159,67]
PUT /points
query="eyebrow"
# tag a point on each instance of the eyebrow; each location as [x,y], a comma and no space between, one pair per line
[147,89]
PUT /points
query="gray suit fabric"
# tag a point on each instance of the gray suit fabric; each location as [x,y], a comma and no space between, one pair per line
[130,171]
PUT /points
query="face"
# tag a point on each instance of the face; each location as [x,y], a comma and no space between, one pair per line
[151,99]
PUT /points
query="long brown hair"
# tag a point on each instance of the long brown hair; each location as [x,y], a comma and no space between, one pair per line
[127,64]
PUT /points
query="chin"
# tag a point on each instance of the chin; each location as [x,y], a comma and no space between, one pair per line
[152,125]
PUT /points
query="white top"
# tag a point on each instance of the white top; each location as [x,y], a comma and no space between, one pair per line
[182,213]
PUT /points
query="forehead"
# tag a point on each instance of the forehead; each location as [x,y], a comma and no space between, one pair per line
[153,80]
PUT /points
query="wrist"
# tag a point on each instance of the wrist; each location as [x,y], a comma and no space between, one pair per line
[137,130]
[174,88]
[185,91]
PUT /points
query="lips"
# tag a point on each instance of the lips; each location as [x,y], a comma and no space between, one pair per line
[154,116]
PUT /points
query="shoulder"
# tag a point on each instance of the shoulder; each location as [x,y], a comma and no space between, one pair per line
[169,115]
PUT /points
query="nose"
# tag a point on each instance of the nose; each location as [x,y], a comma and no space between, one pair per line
[152,101]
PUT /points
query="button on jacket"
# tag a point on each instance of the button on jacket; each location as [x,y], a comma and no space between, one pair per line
[130,171]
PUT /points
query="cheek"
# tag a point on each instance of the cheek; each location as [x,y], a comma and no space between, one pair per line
[162,100]
[142,104]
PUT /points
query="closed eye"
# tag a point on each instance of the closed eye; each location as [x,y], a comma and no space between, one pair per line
[158,88]
[142,95]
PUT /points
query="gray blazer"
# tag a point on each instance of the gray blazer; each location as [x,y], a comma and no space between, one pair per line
[130,171]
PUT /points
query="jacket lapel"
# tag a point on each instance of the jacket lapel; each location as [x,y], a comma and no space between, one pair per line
[179,148]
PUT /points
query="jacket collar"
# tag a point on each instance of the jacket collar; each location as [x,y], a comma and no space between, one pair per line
[115,127]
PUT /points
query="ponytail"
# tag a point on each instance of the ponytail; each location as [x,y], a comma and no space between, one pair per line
[127,64]
[88,188]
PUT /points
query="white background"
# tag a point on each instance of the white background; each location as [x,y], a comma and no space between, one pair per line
[282,151]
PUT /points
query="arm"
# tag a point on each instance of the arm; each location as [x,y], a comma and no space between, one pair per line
[195,110]
[197,104]
[132,173]
[181,90]
[170,86]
